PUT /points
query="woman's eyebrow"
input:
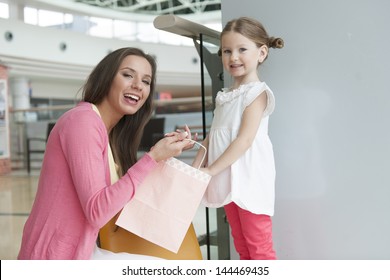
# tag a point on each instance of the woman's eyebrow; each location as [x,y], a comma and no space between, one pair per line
[134,71]
[128,68]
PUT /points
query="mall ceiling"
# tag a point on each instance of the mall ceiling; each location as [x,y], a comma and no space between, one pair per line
[158,7]
[200,11]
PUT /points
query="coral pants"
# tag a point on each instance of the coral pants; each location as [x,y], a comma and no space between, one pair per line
[252,233]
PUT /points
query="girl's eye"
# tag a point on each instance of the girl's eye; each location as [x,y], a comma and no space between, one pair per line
[242,50]
[146,82]
[226,51]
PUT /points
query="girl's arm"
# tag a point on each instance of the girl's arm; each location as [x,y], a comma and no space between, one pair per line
[250,123]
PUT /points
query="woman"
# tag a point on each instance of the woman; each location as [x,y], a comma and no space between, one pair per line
[75,196]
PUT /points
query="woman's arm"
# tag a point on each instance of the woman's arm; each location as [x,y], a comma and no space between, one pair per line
[249,125]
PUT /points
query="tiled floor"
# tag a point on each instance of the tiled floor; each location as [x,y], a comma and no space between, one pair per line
[17,193]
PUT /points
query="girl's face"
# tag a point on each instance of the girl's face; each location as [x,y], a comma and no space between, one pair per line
[130,87]
[241,56]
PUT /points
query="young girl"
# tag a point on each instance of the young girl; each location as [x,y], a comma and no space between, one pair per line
[240,155]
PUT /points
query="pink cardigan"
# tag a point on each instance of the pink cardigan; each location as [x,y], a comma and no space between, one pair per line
[75,197]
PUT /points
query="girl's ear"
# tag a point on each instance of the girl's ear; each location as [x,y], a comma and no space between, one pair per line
[263,53]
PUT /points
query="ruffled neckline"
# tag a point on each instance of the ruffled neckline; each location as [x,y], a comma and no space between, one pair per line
[228,94]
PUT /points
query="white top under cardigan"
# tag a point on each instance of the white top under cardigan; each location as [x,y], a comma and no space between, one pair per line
[102,254]
[250,181]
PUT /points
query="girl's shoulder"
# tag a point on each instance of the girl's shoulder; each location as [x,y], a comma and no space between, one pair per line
[257,89]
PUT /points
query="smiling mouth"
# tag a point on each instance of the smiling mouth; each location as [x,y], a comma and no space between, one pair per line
[132,97]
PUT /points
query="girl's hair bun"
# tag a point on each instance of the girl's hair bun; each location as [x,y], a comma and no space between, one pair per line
[276,43]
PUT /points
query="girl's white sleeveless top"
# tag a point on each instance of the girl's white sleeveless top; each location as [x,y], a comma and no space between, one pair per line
[250,181]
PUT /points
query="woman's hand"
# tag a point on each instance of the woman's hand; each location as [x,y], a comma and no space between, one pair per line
[169,146]
[190,144]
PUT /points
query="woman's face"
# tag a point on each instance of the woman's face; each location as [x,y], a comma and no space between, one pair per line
[131,86]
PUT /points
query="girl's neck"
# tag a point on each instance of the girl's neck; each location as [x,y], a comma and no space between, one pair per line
[238,83]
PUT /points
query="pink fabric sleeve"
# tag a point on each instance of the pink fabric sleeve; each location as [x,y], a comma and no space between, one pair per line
[84,144]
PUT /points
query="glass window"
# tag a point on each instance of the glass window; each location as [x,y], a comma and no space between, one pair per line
[79,24]
[101,27]
[104,27]
[50,18]
[67,20]
[125,30]
[146,32]
[31,15]
[4,10]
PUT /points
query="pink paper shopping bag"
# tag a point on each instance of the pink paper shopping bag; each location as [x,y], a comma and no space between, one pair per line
[165,204]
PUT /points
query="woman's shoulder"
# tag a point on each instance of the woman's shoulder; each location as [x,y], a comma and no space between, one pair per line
[81,110]
[81,116]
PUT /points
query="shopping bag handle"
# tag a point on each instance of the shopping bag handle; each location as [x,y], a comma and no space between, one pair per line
[200,145]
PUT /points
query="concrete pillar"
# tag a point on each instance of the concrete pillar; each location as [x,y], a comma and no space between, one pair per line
[16,11]
[20,92]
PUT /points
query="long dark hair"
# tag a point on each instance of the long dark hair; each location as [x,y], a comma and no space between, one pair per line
[126,136]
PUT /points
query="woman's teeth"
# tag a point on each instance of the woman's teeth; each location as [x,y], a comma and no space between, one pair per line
[132,96]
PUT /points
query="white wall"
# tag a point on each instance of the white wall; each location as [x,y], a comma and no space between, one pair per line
[40,43]
[331,125]
[35,53]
